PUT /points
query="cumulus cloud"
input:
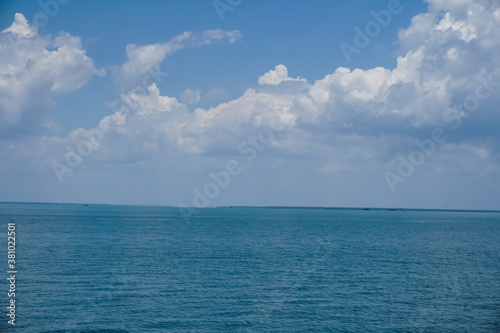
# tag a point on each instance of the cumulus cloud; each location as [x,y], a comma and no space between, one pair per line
[35,68]
[142,59]
[276,76]
[20,27]
[467,32]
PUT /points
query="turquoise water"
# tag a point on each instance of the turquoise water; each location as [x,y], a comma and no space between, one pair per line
[107,268]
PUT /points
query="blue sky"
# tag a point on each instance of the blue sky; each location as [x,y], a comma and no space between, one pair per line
[261,107]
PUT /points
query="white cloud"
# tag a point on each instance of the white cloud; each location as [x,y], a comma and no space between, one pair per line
[466,31]
[20,27]
[455,5]
[141,59]
[34,68]
[276,76]
[496,15]
[152,102]
[212,35]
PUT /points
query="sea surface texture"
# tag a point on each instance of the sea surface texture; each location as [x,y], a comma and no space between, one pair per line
[103,268]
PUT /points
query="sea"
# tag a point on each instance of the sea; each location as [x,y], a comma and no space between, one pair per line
[112,268]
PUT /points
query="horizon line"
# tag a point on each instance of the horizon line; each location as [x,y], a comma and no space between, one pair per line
[265,206]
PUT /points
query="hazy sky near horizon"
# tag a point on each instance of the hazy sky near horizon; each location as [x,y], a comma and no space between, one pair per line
[237,102]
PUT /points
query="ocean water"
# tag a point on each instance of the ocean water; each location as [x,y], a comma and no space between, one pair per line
[102,268]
